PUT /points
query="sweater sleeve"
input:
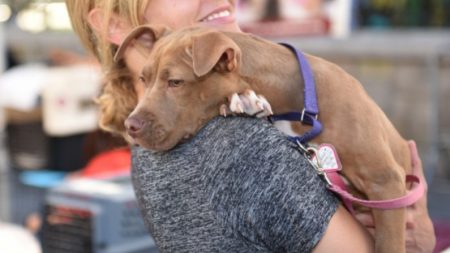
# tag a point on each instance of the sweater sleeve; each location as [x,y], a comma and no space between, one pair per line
[265,190]
[260,193]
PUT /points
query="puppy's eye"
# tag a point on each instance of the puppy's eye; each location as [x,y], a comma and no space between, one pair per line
[175,83]
[141,79]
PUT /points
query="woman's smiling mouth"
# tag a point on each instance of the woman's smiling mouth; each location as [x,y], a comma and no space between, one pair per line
[216,15]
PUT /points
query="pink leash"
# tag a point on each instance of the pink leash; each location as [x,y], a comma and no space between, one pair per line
[337,185]
[325,160]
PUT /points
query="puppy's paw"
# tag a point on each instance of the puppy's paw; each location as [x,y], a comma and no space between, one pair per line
[249,103]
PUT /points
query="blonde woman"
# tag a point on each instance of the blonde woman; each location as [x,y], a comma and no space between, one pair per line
[238,186]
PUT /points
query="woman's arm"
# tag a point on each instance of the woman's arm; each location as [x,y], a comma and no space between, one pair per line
[345,234]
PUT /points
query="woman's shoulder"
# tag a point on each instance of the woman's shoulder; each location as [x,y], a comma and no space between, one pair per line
[240,133]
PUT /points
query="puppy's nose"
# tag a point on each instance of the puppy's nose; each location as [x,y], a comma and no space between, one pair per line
[133,125]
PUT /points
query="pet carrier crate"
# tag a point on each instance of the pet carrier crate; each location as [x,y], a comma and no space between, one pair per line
[94,216]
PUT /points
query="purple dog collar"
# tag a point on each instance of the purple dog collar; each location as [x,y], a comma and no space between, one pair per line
[311,108]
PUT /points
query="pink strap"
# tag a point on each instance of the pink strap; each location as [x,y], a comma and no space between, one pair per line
[338,186]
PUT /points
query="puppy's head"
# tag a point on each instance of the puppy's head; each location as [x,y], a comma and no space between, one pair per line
[118,96]
[187,76]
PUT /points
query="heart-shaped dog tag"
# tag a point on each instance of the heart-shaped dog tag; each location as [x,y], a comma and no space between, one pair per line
[328,158]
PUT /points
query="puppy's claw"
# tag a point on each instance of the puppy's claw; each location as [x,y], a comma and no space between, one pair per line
[240,108]
[267,109]
[224,110]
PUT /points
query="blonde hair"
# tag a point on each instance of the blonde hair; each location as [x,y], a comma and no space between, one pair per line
[131,11]
[118,97]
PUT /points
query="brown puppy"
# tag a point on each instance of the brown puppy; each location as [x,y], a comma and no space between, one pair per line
[191,73]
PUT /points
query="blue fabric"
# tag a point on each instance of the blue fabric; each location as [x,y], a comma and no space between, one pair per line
[42,178]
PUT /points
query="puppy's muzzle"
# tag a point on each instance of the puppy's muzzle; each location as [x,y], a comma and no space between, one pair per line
[134,126]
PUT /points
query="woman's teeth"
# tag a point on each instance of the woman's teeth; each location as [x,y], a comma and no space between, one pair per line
[217,15]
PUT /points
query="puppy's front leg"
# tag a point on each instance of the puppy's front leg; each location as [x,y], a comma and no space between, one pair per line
[390,225]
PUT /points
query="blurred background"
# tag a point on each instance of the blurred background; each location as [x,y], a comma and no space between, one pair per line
[399,50]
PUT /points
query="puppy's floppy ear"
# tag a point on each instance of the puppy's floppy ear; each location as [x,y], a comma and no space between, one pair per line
[144,37]
[214,50]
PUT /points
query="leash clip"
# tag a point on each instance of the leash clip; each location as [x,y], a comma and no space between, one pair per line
[307,151]
[311,154]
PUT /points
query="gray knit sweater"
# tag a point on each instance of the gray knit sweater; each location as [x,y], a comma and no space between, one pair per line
[238,186]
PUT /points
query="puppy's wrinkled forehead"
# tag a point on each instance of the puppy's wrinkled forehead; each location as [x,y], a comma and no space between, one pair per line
[172,46]
[173,49]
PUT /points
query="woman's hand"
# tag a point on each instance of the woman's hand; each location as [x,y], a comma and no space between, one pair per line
[420,237]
